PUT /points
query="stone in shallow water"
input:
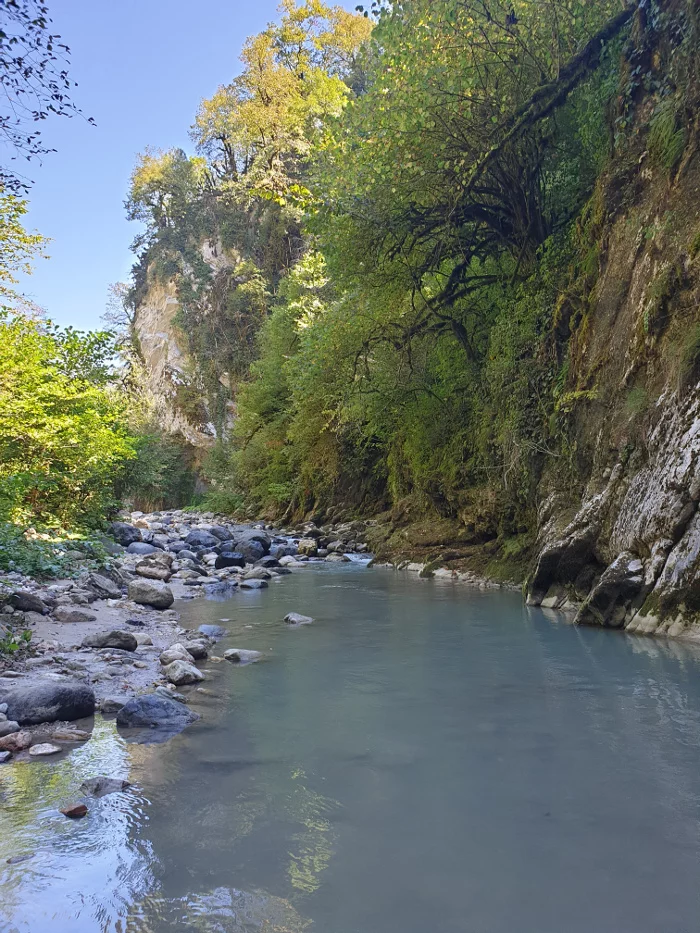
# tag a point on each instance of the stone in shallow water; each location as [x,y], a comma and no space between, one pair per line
[176,652]
[163,717]
[242,655]
[44,749]
[47,701]
[75,810]
[214,631]
[181,673]
[296,618]
[253,584]
[101,786]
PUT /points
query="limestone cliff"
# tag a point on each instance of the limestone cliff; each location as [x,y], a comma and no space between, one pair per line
[628,553]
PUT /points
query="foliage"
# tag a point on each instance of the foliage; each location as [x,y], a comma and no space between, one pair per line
[17,247]
[62,437]
[34,79]
[159,475]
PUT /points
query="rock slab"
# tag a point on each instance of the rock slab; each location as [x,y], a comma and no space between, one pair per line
[46,701]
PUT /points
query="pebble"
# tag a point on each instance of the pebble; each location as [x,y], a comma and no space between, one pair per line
[5,756]
[44,749]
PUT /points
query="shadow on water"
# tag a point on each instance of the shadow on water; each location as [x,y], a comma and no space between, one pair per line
[423,757]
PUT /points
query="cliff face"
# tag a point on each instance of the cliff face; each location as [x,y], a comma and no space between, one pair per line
[625,552]
[173,376]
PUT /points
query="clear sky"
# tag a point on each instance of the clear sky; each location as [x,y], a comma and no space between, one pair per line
[142,67]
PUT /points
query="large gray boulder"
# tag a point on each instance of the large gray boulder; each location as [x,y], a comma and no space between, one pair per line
[182,672]
[141,547]
[106,588]
[125,534]
[253,534]
[27,602]
[201,539]
[163,717]
[251,551]
[151,593]
[223,534]
[47,701]
[229,559]
[114,639]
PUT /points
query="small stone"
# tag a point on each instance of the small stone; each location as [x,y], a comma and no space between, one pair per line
[295,618]
[16,742]
[197,649]
[3,707]
[44,749]
[8,727]
[74,810]
[170,693]
[5,756]
[111,705]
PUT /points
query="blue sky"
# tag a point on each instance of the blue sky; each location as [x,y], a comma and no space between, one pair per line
[142,67]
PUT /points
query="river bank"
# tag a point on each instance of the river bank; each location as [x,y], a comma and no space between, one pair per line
[103,639]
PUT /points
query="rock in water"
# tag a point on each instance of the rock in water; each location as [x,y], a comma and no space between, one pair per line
[101,786]
[164,717]
[47,701]
[151,593]
[114,639]
[181,673]
[295,618]
[44,749]
[242,655]
[198,650]
[308,546]
[75,810]
[176,652]
[253,584]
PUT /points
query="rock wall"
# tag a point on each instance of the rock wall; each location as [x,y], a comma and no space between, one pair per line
[625,551]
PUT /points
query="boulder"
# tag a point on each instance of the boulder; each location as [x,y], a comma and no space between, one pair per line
[295,618]
[197,649]
[106,588]
[253,584]
[186,554]
[47,701]
[141,547]
[125,534]
[269,561]
[153,571]
[71,614]
[163,716]
[28,602]
[308,546]
[256,535]
[101,786]
[177,546]
[223,534]
[283,550]
[181,673]
[242,655]
[213,631]
[117,638]
[176,652]
[151,593]
[229,559]
[250,550]
[201,539]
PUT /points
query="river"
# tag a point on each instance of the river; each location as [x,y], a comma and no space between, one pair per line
[424,757]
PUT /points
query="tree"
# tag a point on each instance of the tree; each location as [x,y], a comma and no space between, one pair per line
[34,81]
[17,248]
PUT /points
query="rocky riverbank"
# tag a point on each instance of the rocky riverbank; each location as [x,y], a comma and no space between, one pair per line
[110,640]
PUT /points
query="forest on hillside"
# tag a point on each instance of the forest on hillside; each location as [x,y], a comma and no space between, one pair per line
[385,246]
